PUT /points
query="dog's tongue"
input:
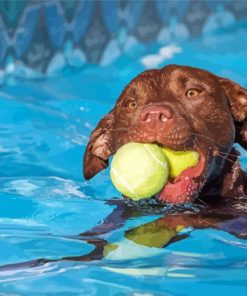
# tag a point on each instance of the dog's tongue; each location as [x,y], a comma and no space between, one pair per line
[184,187]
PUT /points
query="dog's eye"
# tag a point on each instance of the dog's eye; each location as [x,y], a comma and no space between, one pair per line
[193,92]
[132,104]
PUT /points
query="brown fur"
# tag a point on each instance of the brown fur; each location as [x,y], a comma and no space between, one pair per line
[211,121]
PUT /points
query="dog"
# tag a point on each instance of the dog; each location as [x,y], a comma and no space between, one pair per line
[182,108]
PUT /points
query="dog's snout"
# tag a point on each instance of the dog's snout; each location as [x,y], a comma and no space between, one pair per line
[156,114]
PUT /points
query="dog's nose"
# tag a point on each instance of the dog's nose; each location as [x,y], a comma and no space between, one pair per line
[156,114]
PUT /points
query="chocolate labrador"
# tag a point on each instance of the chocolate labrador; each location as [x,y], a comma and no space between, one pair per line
[182,108]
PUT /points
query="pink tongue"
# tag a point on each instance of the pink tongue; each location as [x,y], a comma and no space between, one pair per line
[184,186]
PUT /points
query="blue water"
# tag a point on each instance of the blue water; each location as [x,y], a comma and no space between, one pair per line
[45,204]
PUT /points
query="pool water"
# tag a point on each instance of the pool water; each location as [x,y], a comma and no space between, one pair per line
[51,238]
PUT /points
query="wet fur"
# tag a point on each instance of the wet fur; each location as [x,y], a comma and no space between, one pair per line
[213,122]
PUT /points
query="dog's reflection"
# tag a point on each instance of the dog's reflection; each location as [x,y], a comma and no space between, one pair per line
[165,230]
[160,232]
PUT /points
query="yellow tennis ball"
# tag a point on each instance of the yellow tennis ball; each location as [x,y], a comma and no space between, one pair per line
[139,171]
[180,160]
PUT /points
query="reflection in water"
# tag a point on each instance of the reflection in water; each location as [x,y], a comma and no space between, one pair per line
[148,239]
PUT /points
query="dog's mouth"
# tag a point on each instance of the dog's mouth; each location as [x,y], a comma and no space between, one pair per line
[186,186]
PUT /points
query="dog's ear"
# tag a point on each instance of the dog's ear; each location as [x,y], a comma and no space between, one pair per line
[99,147]
[237,97]
[233,178]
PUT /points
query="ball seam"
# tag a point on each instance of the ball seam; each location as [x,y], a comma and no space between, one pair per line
[164,165]
[124,182]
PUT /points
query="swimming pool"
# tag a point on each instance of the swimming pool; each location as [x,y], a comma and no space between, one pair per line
[46,205]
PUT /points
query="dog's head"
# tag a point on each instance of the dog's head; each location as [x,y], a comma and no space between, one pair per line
[179,107]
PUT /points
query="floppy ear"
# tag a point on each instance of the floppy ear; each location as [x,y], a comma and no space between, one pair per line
[99,147]
[237,97]
[233,179]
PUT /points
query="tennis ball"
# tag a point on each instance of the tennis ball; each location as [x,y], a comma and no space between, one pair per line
[139,171]
[179,160]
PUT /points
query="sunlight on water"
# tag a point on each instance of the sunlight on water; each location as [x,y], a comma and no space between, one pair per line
[45,203]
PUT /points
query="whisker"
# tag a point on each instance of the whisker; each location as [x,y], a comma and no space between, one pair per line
[233,155]
[209,138]
[226,158]
[195,144]
[201,201]
[229,154]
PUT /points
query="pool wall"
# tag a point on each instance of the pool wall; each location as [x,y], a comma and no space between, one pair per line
[42,35]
